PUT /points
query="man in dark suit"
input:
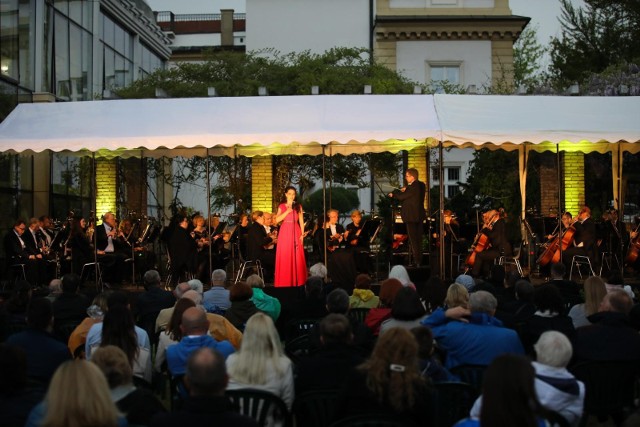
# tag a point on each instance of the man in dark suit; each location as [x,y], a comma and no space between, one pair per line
[584,239]
[257,242]
[412,213]
[19,251]
[111,250]
[495,230]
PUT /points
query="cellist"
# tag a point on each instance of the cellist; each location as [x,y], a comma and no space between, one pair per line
[584,239]
[495,228]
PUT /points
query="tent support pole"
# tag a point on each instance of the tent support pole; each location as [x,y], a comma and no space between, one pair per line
[324,201]
[209,207]
[560,210]
[441,210]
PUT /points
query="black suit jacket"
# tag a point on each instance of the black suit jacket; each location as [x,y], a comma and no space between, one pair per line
[30,241]
[585,233]
[13,249]
[183,249]
[330,243]
[412,199]
[257,239]
[498,237]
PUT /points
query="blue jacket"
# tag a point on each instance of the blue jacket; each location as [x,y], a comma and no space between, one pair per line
[178,354]
[475,343]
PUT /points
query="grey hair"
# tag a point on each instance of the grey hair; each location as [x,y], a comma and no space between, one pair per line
[482,302]
[219,275]
[196,285]
[319,270]
[151,278]
[255,281]
[554,349]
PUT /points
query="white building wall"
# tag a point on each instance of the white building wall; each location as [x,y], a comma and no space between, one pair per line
[474,57]
[298,25]
[415,4]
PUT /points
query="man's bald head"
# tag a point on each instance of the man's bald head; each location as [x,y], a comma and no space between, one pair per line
[194,322]
[181,289]
[193,296]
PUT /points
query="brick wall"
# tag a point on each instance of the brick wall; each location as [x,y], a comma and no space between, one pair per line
[573,168]
[106,186]
[135,190]
[548,188]
[262,183]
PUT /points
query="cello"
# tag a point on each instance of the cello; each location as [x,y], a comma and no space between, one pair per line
[634,248]
[481,242]
[552,252]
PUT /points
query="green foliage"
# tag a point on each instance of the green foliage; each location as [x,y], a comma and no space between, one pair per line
[337,71]
[601,34]
[342,199]
[527,53]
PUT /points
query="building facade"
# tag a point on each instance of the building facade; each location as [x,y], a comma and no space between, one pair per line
[67,51]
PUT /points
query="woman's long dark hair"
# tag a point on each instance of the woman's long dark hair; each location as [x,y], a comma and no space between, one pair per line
[508,393]
[295,199]
[118,328]
[76,228]
[173,327]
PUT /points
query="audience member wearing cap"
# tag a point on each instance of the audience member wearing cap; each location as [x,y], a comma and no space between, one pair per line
[466,281]
[363,296]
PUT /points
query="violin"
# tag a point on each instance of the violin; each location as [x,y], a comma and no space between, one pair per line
[398,240]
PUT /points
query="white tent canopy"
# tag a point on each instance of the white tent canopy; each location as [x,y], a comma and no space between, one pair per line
[249,126]
[303,124]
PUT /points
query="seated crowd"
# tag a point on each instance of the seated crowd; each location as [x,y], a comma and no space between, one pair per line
[379,352]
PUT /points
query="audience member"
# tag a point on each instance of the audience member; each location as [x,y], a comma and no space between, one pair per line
[70,306]
[95,313]
[388,290]
[94,336]
[77,397]
[137,404]
[406,311]
[520,310]
[216,300]
[457,296]
[206,379]
[474,336]
[594,292]
[196,285]
[610,337]
[363,296]
[195,328]
[331,364]
[173,334]
[400,272]
[55,289]
[615,282]
[569,289]
[165,314]
[17,398]
[153,300]
[119,330]
[242,308]
[467,281]
[508,396]
[391,379]
[318,270]
[260,362]
[430,366]
[44,352]
[263,302]
[16,305]
[549,316]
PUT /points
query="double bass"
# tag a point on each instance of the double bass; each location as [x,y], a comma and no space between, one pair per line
[481,242]
[552,251]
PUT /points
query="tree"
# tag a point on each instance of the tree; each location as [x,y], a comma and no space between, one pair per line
[603,33]
[343,200]
[337,71]
[527,53]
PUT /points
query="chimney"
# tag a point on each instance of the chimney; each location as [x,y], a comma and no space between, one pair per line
[226,27]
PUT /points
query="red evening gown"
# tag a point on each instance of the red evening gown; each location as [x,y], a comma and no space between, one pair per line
[291,266]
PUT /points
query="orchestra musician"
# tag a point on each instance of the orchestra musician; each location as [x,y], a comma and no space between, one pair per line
[615,233]
[80,244]
[18,251]
[412,198]
[144,259]
[183,249]
[257,242]
[495,229]
[584,238]
[271,230]
[111,249]
[357,240]
[340,263]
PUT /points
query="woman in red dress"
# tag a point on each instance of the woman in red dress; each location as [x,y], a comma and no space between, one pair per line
[291,266]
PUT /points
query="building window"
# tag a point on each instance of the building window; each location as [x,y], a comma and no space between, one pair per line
[453,173]
[441,75]
[452,190]
[435,173]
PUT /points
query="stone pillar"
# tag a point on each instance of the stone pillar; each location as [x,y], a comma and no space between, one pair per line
[573,169]
[548,186]
[226,27]
[135,190]
[261,183]
[106,186]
